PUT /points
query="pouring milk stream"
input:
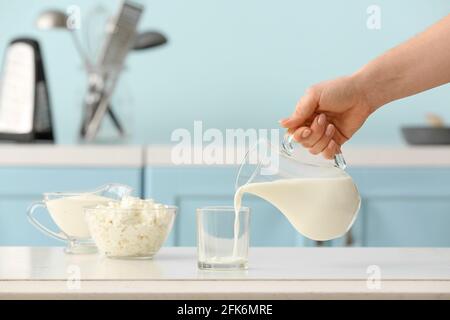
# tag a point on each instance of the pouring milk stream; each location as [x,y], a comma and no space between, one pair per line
[321,202]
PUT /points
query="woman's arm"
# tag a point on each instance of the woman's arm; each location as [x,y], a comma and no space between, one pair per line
[419,64]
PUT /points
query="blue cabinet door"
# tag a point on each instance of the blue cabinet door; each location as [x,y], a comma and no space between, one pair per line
[409,221]
[402,207]
[190,188]
[19,187]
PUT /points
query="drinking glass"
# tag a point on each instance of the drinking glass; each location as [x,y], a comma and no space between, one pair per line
[223,238]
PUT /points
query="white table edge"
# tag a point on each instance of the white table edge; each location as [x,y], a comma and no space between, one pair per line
[225,289]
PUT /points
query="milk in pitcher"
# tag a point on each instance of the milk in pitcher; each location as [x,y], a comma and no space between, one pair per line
[320,208]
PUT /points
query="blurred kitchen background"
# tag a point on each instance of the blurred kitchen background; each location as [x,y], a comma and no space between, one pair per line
[232,64]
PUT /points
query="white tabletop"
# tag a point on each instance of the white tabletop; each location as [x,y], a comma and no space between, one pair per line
[274,273]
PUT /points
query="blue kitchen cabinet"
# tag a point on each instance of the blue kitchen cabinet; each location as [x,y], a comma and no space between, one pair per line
[397,221]
[19,187]
[190,188]
[402,207]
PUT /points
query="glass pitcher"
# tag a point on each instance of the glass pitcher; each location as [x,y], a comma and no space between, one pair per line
[317,196]
[66,211]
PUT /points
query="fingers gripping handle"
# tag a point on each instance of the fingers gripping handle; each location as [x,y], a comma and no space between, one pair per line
[287,146]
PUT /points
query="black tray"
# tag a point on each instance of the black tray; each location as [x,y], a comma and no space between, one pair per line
[426,135]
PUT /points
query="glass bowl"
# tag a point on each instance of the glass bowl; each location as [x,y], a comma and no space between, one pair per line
[136,233]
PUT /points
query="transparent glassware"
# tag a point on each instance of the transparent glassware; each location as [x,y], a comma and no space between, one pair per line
[66,211]
[219,247]
[266,161]
[292,171]
[124,233]
[287,147]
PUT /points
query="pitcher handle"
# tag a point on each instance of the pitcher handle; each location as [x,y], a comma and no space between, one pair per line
[40,226]
[288,148]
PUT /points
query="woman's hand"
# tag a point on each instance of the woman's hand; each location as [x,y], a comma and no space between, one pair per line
[328,115]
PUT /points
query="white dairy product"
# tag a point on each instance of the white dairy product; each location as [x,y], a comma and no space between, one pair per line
[225,261]
[130,228]
[319,208]
[67,212]
[220,250]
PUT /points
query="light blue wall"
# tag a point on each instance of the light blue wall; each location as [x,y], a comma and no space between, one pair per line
[236,63]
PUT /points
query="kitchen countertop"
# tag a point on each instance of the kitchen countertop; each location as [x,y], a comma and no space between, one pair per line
[376,156]
[274,273]
[35,155]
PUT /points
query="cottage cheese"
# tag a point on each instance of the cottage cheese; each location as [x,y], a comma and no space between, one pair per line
[131,227]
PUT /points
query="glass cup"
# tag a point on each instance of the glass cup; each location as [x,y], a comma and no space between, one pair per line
[66,211]
[223,238]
